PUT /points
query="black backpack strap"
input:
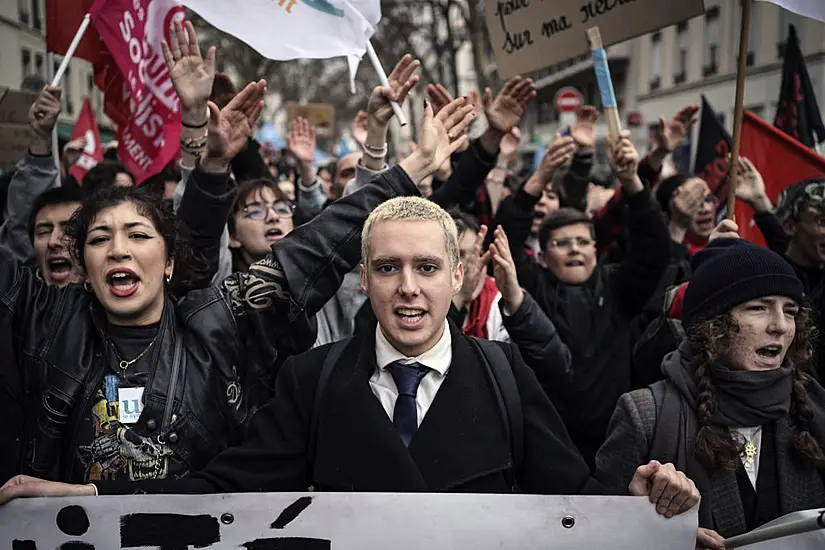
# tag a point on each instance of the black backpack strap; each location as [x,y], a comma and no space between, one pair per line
[329,363]
[499,366]
[665,430]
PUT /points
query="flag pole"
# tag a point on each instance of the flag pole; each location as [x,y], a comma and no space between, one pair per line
[737,109]
[382,75]
[605,82]
[72,48]
[55,141]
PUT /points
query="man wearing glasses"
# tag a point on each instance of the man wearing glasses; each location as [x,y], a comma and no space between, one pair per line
[591,304]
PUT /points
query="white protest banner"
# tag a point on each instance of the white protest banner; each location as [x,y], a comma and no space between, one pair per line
[365,521]
[289,29]
[527,35]
[814,9]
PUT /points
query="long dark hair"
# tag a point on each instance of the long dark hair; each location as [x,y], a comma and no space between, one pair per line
[174,233]
[717,447]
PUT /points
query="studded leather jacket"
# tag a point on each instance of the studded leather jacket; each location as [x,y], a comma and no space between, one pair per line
[217,353]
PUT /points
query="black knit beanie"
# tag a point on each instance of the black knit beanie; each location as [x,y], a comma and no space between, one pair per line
[729,272]
[669,186]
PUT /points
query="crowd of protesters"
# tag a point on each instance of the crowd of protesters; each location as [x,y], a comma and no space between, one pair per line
[246,321]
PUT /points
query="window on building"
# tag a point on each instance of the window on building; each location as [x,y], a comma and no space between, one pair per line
[712,40]
[39,65]
[682,44]
[656,61]
[23,11]
[37,22]
[26,58]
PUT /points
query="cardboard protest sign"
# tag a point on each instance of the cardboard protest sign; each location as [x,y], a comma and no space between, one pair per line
[532,34]
[319,115]
[317,521]
[15,134]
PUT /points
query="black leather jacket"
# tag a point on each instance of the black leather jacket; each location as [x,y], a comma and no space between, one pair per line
[216,353]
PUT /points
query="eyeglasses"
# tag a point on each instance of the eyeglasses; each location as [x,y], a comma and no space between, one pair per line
[283,209]
[567,244]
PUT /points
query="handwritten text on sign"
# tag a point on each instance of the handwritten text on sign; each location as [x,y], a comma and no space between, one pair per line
[532,34]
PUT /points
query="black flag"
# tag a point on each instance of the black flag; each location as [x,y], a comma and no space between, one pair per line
[797,113]
[712,152]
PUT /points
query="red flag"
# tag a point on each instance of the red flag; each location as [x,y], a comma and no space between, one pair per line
[63,18]
[145,98]
[86,126]
[780,159]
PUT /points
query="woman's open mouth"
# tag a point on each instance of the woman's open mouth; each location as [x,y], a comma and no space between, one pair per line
[123,282]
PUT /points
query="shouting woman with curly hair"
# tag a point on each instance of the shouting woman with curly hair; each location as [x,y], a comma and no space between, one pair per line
[738,411]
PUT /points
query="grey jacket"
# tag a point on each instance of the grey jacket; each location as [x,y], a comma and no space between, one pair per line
[33,177]
[630,438]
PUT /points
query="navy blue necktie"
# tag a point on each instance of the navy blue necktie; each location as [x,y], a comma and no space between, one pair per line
[407,379]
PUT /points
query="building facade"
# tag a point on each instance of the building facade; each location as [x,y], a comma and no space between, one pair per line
[660,73]
[23,55]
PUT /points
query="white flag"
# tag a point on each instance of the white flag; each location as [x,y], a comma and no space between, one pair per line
[815,9]
[295,29]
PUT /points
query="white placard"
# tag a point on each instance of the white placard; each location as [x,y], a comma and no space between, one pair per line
[338,521]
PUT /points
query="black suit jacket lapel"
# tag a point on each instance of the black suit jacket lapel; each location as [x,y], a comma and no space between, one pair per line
[358,446]
[462,437]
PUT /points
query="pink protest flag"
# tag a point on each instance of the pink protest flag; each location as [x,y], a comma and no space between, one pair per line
[144,101]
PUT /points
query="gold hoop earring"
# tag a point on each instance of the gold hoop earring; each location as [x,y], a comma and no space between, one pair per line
[88,285]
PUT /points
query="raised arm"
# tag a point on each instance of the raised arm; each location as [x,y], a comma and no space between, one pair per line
[648,253]
[751,190]
[503,114]
[529,327]
[35,174]
[217,134]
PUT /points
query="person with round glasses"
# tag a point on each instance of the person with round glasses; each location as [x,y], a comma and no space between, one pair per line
[261,216]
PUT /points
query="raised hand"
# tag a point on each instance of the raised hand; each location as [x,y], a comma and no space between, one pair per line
[439,97]
[624,159]
[504,270]
[359,127]
[72,152]
[191,74]
[505,111]
[509,145]
[687,200]
[301,141]
[750,187]
[583,131]
[727,229]
[559,154]
[475,270]
[441,135]
[401,80]
[43,117]
[230,127]
[672,133]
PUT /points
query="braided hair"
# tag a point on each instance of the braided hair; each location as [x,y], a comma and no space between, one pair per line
[717,447]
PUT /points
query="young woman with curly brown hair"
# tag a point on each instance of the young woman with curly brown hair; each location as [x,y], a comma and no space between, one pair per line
[738,411]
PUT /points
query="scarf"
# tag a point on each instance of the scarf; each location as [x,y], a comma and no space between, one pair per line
[745,398]
[476,324]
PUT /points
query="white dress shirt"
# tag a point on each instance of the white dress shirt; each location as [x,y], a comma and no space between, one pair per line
[437,358]
[752,435]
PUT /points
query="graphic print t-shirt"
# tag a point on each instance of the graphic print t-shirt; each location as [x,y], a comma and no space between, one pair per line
[109,449]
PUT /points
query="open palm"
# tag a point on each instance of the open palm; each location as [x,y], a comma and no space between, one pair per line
[230,127]
[191,74]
